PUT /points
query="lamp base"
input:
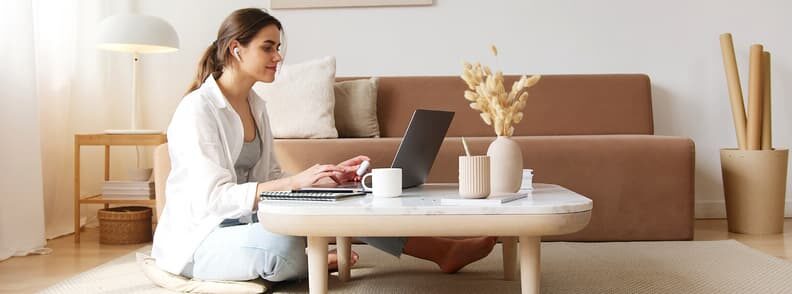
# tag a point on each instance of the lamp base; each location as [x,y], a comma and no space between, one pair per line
[133,132]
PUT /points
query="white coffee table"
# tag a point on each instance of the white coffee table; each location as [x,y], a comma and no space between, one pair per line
[548,210]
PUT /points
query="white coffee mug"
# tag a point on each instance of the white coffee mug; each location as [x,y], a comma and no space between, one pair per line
[385,182]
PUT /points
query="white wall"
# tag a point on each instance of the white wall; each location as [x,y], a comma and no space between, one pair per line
[675,42]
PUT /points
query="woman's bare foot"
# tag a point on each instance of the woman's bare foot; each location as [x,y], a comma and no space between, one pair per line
[464,252]
[332,260]
[451,255]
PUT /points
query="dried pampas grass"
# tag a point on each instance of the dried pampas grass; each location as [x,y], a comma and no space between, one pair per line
[486,93]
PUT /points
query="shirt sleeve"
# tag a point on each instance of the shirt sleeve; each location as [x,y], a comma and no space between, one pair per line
[201,175]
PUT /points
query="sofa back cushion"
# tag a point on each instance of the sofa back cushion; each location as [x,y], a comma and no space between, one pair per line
[557,105]
[356,108]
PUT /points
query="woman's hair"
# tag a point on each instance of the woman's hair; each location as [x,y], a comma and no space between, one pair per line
[242,25]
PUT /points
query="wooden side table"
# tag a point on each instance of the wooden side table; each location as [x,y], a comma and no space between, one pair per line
[106,140]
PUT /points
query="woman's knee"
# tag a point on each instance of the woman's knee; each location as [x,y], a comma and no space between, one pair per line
[287,269]
[282,265]
[279,257]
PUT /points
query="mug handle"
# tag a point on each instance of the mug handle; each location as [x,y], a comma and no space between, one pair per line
[363,181]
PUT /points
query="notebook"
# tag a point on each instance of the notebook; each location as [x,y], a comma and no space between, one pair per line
[307,196]
[492,200]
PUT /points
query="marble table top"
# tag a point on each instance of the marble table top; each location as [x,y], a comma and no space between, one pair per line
[426,200]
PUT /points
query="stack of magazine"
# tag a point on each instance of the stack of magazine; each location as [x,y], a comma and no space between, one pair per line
[128,189]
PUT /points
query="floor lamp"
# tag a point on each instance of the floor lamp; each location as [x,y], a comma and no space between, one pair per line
[136,34]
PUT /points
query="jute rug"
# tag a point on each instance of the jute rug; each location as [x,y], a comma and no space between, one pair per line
[625,267]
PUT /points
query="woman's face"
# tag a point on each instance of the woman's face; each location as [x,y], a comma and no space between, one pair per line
[261,56]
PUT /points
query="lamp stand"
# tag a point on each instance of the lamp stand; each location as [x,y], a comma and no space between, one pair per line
[134,114]
[135,60]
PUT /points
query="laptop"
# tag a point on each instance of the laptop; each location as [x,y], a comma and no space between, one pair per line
[416,154]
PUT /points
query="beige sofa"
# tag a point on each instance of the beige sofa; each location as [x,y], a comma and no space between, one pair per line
[590,133]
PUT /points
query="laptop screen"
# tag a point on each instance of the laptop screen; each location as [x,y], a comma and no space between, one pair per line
[421,142]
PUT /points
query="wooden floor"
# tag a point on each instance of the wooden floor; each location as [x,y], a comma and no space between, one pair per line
[32,273]
[779,245]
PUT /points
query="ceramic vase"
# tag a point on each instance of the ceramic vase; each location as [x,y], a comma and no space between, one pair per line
[505,165]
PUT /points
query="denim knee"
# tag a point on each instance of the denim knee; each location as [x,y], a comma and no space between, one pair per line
[279,257]
[284,269]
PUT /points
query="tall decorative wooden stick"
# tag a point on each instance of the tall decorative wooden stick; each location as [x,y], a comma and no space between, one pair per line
[755,104]
[767,131]
[735,90]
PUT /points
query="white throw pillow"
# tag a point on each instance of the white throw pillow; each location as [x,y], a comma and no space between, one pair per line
[356,108]
[300,101]
[183,284]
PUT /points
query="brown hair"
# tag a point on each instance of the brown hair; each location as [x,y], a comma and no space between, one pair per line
[242,25]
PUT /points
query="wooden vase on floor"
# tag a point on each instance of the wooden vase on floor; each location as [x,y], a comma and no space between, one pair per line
[754,185]
[505,165]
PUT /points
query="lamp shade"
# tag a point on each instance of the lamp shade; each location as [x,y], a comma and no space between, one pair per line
[137,33]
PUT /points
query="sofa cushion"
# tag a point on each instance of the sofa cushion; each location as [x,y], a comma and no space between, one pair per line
[356,108]
[300,102]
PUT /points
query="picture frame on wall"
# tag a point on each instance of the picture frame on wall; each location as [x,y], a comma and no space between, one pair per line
[302,4]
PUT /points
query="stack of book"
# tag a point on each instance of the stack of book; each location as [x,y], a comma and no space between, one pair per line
[128,189]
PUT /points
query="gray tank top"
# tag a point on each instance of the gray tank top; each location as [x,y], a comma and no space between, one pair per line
[250,155]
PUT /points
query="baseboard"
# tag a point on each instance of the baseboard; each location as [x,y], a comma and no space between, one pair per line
[717,209]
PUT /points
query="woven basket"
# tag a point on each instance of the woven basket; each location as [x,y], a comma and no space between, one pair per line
[125,225]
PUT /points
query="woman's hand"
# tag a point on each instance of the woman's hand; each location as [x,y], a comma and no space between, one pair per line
[349,168]
[314,174]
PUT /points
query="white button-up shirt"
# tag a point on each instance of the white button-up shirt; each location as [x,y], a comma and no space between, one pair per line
[205,138]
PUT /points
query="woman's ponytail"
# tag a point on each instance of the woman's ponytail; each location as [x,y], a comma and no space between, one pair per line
[206,66]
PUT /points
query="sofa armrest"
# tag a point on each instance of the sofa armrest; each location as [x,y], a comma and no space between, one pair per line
[642,185]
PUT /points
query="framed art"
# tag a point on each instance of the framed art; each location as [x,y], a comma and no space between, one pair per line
[296,4]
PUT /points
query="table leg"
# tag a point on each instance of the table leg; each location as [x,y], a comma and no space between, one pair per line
[76,190]
[529,264]
[107,163]
[344,248]
[107,169]
[317,265]
[509,258]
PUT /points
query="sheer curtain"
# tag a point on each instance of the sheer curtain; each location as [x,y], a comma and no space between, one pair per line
[21,201]
[56,83]
[80,90]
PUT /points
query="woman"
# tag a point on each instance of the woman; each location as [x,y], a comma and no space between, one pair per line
[221,152]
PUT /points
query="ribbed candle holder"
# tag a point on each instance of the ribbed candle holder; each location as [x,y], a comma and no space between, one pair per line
[474,176]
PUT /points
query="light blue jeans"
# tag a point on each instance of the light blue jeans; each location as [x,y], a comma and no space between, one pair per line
[245,252]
